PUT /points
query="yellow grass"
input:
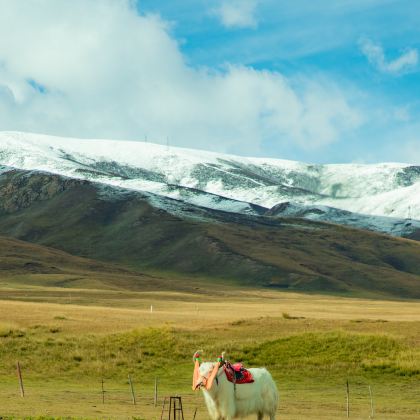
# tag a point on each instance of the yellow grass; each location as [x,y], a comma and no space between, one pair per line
[126,310]
[248,317]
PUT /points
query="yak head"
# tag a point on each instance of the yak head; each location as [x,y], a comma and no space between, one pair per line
[204,373]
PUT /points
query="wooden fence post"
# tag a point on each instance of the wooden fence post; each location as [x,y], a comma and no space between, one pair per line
[103,391]
[132,389]
[156,392]
[348,400]
[163,408]
[372,410]
[19,373]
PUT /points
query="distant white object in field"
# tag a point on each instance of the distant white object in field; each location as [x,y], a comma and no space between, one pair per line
[226,401]
[151,308]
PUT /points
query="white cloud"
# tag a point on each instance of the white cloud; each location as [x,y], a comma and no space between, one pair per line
[402,113]
[238,13]
[98,69]
[376,56]
[410,150]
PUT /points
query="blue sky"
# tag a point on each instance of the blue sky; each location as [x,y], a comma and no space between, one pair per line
[322,37]
[317,81]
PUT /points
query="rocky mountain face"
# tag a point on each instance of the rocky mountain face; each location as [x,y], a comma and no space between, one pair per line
[19,190]
[145,231]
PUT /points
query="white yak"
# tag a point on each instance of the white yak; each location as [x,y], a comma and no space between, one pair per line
[226,401]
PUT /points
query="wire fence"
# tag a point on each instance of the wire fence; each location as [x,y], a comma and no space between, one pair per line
[130,398]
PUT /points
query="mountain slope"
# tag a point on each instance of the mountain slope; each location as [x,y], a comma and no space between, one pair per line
[145,231]
[226,182]
[24,263]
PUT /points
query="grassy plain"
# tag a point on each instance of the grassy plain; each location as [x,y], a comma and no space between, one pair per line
[68,339]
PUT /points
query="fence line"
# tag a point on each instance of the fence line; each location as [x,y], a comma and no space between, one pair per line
[149,396]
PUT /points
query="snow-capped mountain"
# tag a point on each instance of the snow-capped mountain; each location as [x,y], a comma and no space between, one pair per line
[231,183]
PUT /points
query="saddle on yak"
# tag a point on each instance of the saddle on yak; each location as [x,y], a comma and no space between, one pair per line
[237,374]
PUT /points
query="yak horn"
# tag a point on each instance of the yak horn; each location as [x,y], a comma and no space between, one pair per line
[212,376]
[196,373]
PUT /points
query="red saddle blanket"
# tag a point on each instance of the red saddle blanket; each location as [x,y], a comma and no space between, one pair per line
[237,374]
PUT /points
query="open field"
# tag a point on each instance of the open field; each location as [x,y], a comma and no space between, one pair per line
[67,340]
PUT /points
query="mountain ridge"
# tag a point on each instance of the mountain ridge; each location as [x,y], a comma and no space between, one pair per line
[143,231]
[153,163]
[231,183]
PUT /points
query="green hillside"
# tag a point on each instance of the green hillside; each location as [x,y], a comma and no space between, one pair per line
[128,228]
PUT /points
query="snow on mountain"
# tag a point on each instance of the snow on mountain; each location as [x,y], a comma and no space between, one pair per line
[221,181]
[390,225]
